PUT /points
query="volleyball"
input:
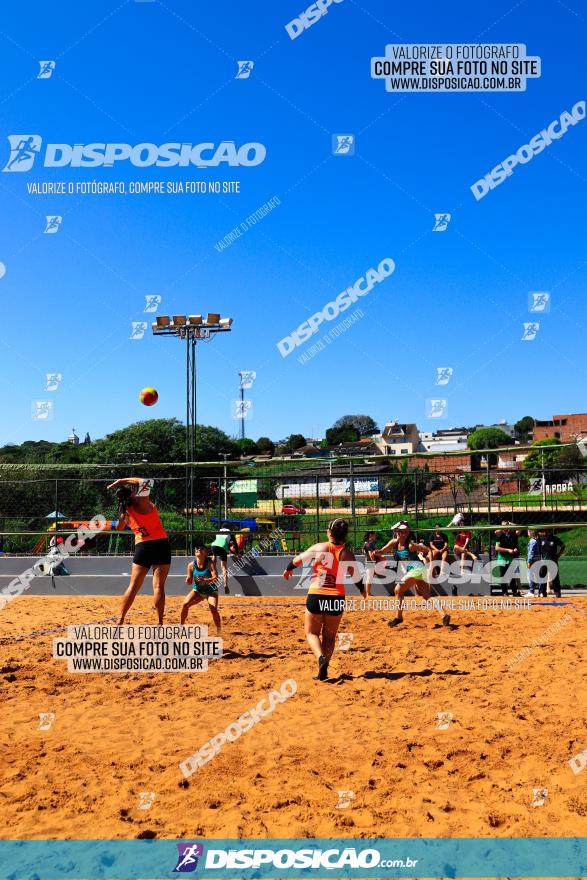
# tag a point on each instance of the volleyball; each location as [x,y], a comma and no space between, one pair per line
[148,396]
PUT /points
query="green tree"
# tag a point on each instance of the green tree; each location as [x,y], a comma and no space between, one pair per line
[344,434]
[364,425]
[265,445]
[488,438]
[247,446]
[469,484]
[524,428]
[160,440]
[541,455]
[294,441]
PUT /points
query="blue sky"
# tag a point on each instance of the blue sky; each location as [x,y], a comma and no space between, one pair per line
[156,72]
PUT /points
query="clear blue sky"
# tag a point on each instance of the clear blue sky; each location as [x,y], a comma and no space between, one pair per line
[165,71]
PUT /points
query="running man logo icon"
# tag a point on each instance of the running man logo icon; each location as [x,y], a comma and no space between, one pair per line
[244,69]
[138,329]
[152,302]
[247,377]
[53,224]
[443,720]
[42,410]
[535,486]
[24,149]
[443,375]
[343,145]
[539,795]
[344,641]
[187,860]
[344,799]
[46,720]
[146,799]
[530,331]
[539,301]
[242,409]
[441,222]
[46,69]
[436,408]
[52,381]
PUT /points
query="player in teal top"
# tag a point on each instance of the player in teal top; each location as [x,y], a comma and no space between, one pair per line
[202,576]
[411,571]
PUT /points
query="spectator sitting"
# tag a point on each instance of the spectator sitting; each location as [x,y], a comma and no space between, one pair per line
[438,547]
[462,549]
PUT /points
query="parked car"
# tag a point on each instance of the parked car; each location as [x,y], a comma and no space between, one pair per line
[292,509]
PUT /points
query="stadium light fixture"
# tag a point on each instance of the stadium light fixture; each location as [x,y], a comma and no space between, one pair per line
[192,329]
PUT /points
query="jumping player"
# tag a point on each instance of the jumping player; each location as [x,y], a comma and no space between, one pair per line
[152,547]
[202,574]
[325,600]
[405,552]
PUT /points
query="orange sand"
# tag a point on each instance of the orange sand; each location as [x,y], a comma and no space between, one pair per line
[371,729]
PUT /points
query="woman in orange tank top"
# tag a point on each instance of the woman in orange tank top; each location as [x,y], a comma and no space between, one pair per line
[325,601]
[152,547]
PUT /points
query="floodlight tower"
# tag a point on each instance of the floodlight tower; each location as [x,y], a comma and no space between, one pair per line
[190,329]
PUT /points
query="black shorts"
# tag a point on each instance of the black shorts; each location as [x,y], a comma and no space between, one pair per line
[148,553]
[220,552]
[318,604]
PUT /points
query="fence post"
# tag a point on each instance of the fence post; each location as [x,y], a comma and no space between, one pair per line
[353,506]
[317,508]
[56,505]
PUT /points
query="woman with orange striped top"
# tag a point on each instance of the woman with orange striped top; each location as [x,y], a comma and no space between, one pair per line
[152,547]
[325,600]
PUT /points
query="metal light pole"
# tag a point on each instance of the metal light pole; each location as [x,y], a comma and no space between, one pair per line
[225,455]
[191,329]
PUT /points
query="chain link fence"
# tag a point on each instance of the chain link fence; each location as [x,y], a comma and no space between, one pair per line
[284,505]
